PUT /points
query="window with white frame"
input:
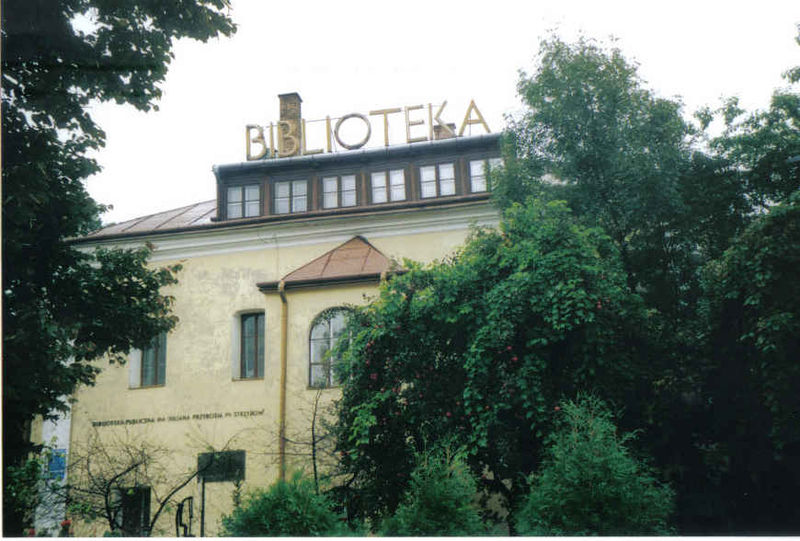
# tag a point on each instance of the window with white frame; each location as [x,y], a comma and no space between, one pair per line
[338,191]
[244,201]
[148,367]
[388,185]
[437,180]
[477,173]
[326,330]
[291,196]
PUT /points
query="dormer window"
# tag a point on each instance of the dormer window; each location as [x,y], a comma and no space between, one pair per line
[291,196]
[338,191]
[244,201]
[437,180]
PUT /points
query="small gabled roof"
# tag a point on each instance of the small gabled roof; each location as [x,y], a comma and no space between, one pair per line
[354,261]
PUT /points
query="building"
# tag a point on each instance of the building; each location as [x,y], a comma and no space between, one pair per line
[268,269]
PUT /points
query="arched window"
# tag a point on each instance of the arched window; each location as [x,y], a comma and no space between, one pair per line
[326,330]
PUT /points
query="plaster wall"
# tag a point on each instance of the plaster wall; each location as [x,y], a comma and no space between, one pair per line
[202,407]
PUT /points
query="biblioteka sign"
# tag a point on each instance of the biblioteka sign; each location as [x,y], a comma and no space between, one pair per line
[295,139]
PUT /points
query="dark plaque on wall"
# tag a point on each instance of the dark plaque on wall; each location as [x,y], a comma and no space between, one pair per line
[221,466]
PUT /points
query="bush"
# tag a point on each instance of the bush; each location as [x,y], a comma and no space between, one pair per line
[440,500]
[290,508]
[589,484]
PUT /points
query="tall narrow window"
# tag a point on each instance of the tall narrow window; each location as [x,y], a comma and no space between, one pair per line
[252,346]
[339,191]
[477,173]
[154,362]
[437,180]
[291,196]
[388,186]
[326,331]
[244,201]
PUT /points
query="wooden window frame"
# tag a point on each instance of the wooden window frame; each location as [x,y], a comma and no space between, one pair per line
[291,197]
[258,368]
[437,182]
[339,191]
[242,203]
[487,163]
[387,187]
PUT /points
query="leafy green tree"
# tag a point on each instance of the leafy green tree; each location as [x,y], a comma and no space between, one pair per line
[479,348]
[753,372]
[290,508]
[64,307]
[590,483]
[441,499]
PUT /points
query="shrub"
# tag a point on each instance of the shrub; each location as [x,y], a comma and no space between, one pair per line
[440,500]
[290,508]
[589,484]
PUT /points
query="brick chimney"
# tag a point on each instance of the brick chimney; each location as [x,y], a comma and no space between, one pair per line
[440,133]
[289,127]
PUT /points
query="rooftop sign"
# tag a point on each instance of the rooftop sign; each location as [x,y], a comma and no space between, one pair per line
[294,136]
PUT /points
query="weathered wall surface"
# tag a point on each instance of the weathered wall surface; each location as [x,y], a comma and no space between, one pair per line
[201,406]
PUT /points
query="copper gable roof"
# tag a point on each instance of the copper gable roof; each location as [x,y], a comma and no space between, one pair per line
[354,261]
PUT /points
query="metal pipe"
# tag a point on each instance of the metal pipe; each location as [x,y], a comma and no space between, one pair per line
[284,342]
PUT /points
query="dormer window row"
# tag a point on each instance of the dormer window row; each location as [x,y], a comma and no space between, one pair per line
[347,189]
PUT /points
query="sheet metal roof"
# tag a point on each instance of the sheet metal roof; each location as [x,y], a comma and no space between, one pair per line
[197,214]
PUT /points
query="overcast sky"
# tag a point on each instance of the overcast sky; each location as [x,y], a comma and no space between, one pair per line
[348,56]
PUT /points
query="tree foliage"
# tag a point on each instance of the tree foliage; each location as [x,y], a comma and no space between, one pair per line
[62,306]
[590,483]
[480,348]
[292,508]
[441,499]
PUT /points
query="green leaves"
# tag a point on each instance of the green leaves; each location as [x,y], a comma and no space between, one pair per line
[480,347]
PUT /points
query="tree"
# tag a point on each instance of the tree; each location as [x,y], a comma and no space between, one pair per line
[590,483]
[479,349]
[441,499]
[64,307]
[108,474]
[287,508]
[752,306]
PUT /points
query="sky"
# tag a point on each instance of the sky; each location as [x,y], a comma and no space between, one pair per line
[359,56]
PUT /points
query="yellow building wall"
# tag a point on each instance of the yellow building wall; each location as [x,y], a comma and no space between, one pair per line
[201,407]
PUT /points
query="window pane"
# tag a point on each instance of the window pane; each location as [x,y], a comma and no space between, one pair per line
[428,189]
[252,193]
[379,187]
[161,373]
[349,198]
[427,173]
[337,324]
[251,209]
[234,194]
[330,200]
[495,162]
[281,189]
[398,182]
[476,168]
[298,187]
[318,376]
[282,205]
[299,203]
[329,184]
[348,190]
[260,331]
[447,187]
[234,210]
[320,331]
[149,366]
[446,171]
